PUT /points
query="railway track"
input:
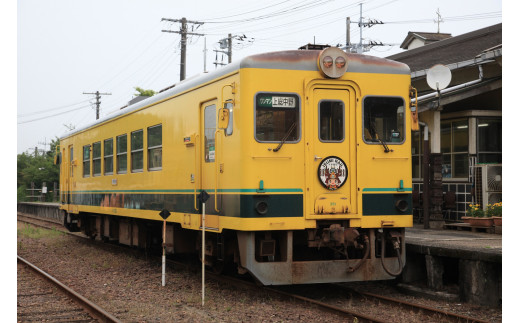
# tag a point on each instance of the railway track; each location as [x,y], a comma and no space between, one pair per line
[345,307]
[39,300]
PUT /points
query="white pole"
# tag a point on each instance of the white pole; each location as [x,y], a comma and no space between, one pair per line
[203,247]
[164,255]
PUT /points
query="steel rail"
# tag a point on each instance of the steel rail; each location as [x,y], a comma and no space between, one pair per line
[414,306]
[96,311]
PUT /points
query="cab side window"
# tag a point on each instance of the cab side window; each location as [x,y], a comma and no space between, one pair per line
[86,161]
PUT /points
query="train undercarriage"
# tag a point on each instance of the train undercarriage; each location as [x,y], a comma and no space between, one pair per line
[332,252]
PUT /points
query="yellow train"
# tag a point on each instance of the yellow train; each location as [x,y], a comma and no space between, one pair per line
[305,156]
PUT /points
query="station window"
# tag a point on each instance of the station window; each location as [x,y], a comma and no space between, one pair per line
[277,117]
[383,120]
[96,158]
[489,140]
[454,148]
[155,147]
[122,155]
[136,146]
[86,161]
[332,120]
[108,148]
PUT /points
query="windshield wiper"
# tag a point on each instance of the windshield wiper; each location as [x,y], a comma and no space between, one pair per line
[285,137]
[387,150]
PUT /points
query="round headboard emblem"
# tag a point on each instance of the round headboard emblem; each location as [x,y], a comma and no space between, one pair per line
[332,173]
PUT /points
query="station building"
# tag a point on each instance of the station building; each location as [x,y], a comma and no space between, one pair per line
[464,122]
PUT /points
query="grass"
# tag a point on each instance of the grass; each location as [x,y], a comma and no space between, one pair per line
[29,231]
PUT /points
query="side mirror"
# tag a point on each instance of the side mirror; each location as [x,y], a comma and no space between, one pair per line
[223,118]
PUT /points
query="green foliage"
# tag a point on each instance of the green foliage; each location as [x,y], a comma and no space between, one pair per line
[494,210]
[143,92]
[36,168]
[474,210]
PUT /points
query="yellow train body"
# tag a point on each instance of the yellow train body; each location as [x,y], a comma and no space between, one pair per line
[228,133]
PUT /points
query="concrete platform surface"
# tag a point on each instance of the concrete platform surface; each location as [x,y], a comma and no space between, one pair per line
[456,244]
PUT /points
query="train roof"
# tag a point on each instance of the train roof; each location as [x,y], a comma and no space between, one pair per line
[303,60]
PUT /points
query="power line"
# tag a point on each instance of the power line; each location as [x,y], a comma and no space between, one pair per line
[51,109]
[57,114]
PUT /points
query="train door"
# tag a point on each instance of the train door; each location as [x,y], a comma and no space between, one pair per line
[330,156]
[209,156]
[69,175]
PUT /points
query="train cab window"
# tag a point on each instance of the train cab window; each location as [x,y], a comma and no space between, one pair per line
[108,149]
[277,117]
[155,147]
[332,121]
[96,158]
[121,154]
[136,145]
[383,120]
[86,161]
[210,126]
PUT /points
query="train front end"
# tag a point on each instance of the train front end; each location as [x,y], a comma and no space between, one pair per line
[331,164]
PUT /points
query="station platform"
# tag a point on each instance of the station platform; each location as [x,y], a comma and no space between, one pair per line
[468,262]
[456,244]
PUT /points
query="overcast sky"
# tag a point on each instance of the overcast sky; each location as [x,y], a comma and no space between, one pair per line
[68,47]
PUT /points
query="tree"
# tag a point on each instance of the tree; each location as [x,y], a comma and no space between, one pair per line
[36,169]
[143,92]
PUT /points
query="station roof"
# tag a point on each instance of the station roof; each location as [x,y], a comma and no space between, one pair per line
[451,50]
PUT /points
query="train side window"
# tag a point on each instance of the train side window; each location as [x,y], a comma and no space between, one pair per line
[210,126]
[383,119]
[96,158]
[277,117]
[136,146]
[86,161]
[332,120]
[121,153]
[108,149]
[155,147]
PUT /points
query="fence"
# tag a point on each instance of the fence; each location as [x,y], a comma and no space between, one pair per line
[40,194]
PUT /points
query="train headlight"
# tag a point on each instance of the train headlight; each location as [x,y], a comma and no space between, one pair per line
[332,62]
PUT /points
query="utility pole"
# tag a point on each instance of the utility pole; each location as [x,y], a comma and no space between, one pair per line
[183,32]
[225,43]
[348,35]
[438,21]
[360,48]
[98,101]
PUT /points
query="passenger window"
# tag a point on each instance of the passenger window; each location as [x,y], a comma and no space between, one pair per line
[155,147]
[86,161]
[277,117]
[332,120]
[210,126]
[136,143]
[96,158]
[108,148]
[122,156]
[383,120]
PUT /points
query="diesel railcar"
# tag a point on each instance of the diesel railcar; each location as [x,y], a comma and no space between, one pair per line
[305,156]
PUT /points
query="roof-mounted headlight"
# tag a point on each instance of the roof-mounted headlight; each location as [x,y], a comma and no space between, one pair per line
[332,62]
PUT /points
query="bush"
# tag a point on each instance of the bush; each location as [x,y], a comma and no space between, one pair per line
[475,211]
[494,210]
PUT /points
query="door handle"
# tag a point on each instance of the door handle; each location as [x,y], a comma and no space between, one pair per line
[316,157]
